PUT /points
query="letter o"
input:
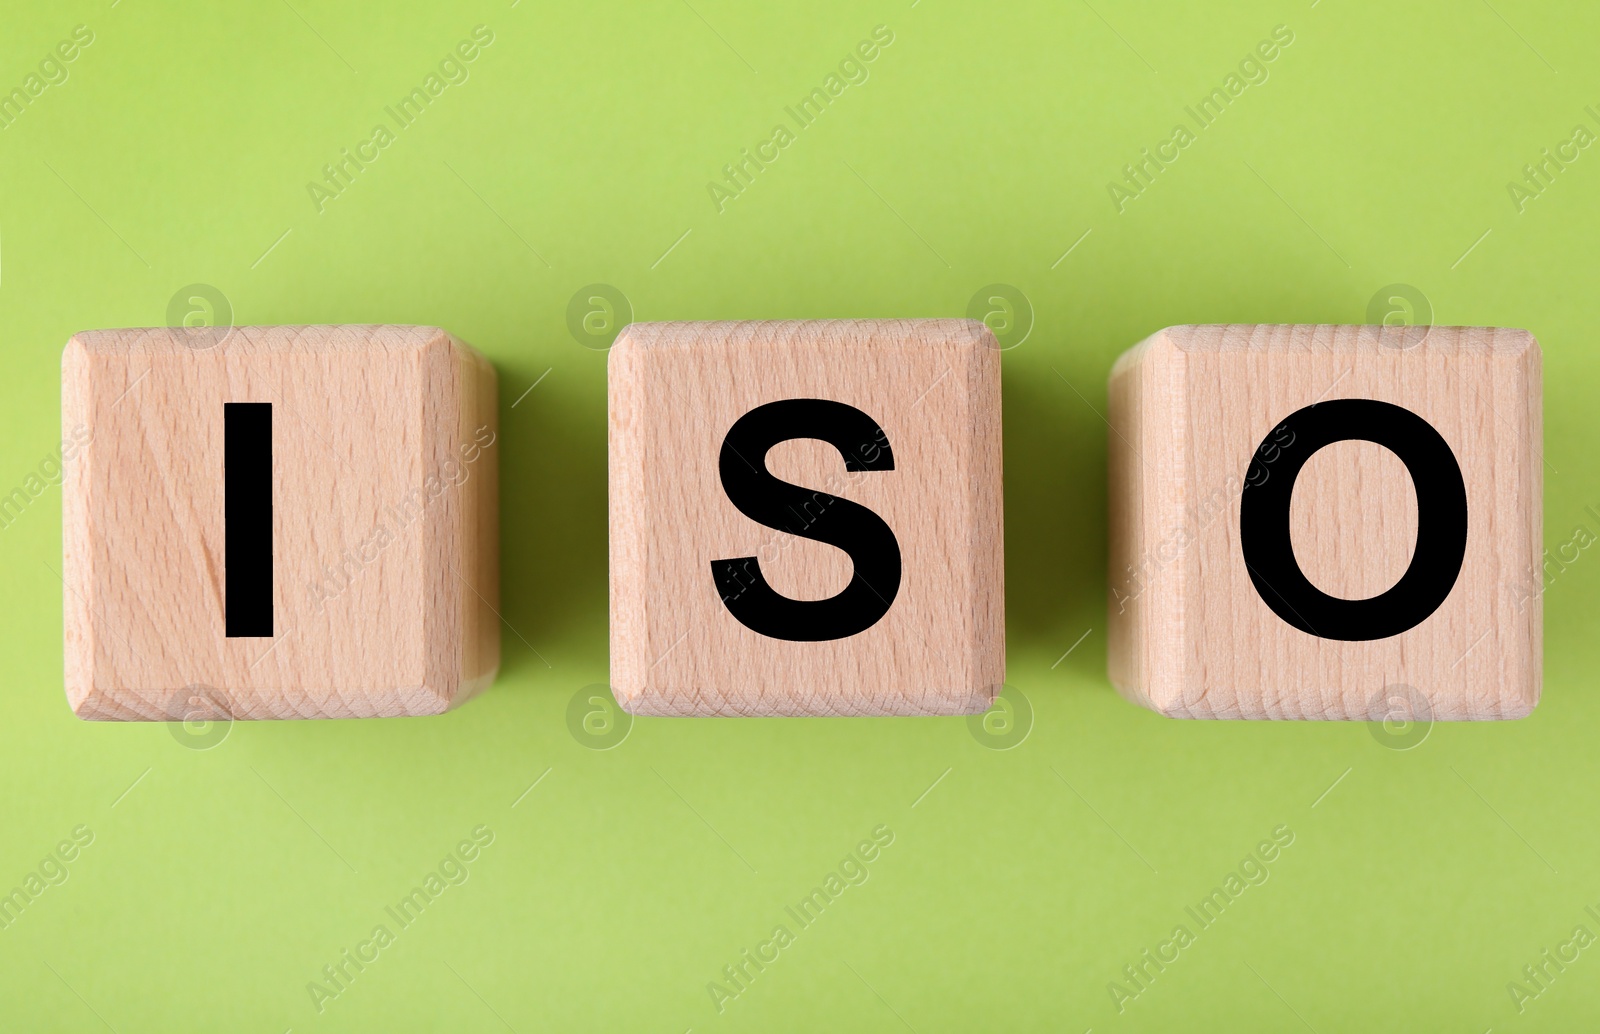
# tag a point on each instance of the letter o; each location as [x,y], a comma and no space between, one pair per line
[1268,550]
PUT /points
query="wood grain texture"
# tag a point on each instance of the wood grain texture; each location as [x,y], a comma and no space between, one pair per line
[385,523]
[1190,636]
[934,388]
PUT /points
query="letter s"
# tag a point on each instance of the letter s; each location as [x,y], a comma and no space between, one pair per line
[778,504]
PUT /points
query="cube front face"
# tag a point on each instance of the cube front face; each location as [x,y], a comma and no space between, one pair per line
[374,571]
[880,435]
[1207,417]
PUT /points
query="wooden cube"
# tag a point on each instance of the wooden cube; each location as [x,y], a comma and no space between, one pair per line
[1327,522]
[279,522]
[806,518]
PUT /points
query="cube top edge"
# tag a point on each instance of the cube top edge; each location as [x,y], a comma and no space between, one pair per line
[1337,337]
[677,334]
[263,339]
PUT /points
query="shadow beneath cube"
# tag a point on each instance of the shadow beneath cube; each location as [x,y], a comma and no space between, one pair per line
[553,555]
[1055,500]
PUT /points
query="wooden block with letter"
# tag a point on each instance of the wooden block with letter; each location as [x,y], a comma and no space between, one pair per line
[806,518]
[1327,522]
[278,522]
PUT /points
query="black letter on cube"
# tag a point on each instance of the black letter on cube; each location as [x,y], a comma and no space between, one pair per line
[247,518]
[1441,521]
[810,515]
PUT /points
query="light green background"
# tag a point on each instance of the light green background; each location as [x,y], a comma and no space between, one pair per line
[221,881]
